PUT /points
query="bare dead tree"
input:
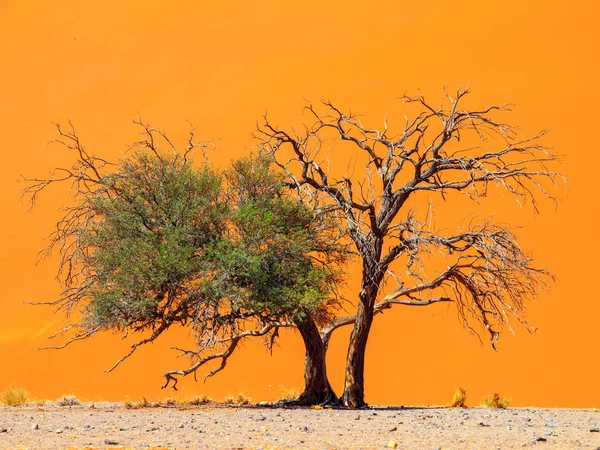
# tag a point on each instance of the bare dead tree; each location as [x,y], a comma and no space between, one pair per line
[491,277]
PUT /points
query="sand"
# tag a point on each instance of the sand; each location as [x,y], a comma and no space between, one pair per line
[112,426]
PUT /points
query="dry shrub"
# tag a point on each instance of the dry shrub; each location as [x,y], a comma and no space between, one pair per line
[289,394]
[169,402]
[68,400]
[199,400]
[459,399]
[242,400]
[495,401]
[14,396]
[229,400]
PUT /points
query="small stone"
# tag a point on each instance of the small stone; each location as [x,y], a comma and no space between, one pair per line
[357,418]
[541,439]
[35,426]
[303,429]
[392,444]
[3,430]
[393,429]
[180,425]
[594,430]
[124,429]
[261,418]
[58,431]
[549,419]
[111,442]
[548,433]
[481,424]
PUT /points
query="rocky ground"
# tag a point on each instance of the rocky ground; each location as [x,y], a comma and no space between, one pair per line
[112,426]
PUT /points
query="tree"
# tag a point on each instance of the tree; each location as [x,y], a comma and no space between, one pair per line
[154,242]
[443,150]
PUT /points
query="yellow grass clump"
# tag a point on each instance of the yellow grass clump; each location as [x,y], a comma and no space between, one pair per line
[289,393]
[459,399]
[200,400]
[240,400]
[495,401]
[14,396]
[169,402]
[68,400]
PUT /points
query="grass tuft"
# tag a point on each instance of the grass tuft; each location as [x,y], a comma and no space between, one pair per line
[14,396]
[495,401]
[289,394]
[169,401]
[242,400]
[200,400]
[141,403]
[459,399]
[68,400]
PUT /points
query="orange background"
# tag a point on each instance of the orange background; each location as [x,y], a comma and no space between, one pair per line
[223,64]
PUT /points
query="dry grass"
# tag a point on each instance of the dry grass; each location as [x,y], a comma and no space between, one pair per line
[494,401]
[141,403]
[459,399]
[68,400]
[240,400]
[289,393]
[169,401]
[200,400]
[14,396]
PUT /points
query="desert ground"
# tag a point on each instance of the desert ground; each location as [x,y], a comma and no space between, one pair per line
[112,426]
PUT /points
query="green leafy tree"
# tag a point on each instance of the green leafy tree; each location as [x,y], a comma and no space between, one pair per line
[156,241]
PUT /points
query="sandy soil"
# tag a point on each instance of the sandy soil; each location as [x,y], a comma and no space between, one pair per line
[112,426]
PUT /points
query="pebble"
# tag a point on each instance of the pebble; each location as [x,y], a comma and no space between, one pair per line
[111,442]
[549,419]
[304,429]
[393,429]
[541,439]
[35,426]
[58,431]
[594,430]
[3,430]
[180,425]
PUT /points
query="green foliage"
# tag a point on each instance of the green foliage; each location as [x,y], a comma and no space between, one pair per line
[14,396]
[147,240]
[161,241]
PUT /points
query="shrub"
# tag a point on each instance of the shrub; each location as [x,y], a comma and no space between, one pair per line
[68,400]
[169,401]
[459,399]
[229,400]
[289,393]
[495,401]
[14,396]
[242,400]
[141,403]
[200,400]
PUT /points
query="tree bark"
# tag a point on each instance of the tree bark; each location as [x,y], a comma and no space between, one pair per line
[354,383]
[317,389]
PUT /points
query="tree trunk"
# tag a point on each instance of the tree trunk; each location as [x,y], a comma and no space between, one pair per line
[354,383]
[317,389]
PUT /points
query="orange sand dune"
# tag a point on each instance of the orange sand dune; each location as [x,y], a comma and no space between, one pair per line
[223,64]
